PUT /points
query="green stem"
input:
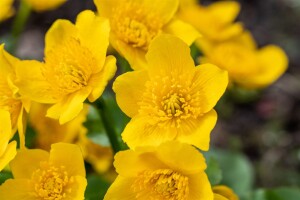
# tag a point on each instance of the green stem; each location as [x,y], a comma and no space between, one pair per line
[19,22]
[114,138]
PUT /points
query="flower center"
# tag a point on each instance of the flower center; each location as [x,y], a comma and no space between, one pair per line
[162,184]
[134,25]
[50,182]
[69,66]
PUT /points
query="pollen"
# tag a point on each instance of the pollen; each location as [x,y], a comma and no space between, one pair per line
[51,182]
[69,67]
[134,25]
[161,184]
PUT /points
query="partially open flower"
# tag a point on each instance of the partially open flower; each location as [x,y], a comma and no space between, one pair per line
[160,173]
[40,175]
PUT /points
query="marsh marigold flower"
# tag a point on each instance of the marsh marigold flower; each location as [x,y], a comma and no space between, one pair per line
[215,22]
[38,174]
[170,99]
[44,5]
[247,65]
[134,24]
[222,192]
[10,99]
[7,149]
[75,67]
[6,9]
[160,173]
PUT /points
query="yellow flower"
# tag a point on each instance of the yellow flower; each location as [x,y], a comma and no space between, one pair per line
[222,192]
[247,65]
[171,99]
[40,175]
[7,150]
[160,173]
[75,67]
[215,22]
[6,9]
[134,24]
[10,100]
[44,5]
[49,131]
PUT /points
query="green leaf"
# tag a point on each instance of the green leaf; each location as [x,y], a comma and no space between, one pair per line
[283,194]
[4,175]
[96,188]
[213,171]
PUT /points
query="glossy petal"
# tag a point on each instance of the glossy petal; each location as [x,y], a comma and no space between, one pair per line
[225,192]
[69,107]
[174,155]
[5,130]
[94,33]
[32,83]
[44,5]
[225,11]
[200,187]
[139,132]
[77,188]
[129,89]
[68,155]
[197,131]
[8,155]
[16,189]
[120,189]
[182,30]
[169,54]
[26,162]
[219,197]
[58,32]
[211,82]
[99,81]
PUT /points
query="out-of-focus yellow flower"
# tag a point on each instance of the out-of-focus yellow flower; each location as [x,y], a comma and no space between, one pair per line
[134,24]
[222,192]
[6,9]
[49,131]
[171,99]
[215,22]
[44,5]
[10,100]
[100,157]
[247,65]
[75,68]
[161,173]
[7,150]
[40,175]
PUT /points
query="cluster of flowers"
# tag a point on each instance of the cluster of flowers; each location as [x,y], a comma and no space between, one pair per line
[169,100]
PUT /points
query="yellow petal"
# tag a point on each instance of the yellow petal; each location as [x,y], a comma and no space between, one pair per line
[32,83]
[5,130]
[197,131]
[135,56]
[94,34]
[121,189]
[129,88]
[130,163]
[199,187]
[219,197]
[68,155]
[225,11]
[182,30]
[22,123]
[99,81]
[44,5]
[16,189]
[224,191]
[7,9]
[210,82]
[8,155]
[76,188]
[169,54]
[174,155]
[58,32]
[139,132]
[27,161]
[69,107]
[272,64]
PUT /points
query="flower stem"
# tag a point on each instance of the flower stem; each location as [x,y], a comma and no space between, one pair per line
[114,137]
[19,22]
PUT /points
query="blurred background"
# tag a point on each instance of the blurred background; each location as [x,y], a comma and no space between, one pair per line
[263,127]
